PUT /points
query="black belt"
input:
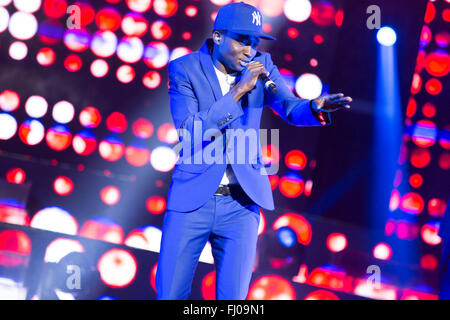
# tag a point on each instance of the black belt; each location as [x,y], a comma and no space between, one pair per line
[228,190]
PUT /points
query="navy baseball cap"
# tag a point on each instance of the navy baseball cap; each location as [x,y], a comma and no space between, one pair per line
[241,18]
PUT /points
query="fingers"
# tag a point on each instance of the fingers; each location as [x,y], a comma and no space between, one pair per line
[257,68]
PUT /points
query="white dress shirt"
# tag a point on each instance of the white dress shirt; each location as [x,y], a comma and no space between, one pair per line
[226,82]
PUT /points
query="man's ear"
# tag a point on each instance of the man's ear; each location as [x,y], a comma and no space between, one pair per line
[217,37]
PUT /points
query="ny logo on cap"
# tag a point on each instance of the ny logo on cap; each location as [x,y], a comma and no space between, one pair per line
[256,18]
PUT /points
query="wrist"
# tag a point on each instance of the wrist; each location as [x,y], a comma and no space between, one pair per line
[313,105]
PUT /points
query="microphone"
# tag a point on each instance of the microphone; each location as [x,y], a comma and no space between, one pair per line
[268,84]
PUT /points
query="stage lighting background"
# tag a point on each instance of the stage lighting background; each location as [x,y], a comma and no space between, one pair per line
[104,164]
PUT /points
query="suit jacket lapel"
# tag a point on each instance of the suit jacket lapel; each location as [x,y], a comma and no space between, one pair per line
[208,70]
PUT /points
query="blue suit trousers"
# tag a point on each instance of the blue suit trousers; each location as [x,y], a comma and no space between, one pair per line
[230,223]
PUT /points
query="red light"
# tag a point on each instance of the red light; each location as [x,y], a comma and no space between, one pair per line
[271,287]
[429,262]
[55,8]
[428,110]
[111,149]
[411,108]
[323,14]
[321,295]
[116,122]
[416,84]
[430,12]
[297,223]
[318,39]
[444,161]
[415,180]
[110,195]
[15,247]
[209,286]
[90,117]
[156,204]
[382,251]
[160,30]
[291,186]
[108,19]
[336,242]
[87,13]
[420,158]
[143,128]
[429,233]
[438,63]
[46,57]
[292,33]
[15,175]
[125,73]
[433,86]
[151,79]
[104,229]
[186,35]
[73,63]
[137,155]
[191,11]
[134,25]
[295,160]
[339,17]
[412,203]
[436,207]
[63,186]
[273,179]
[165,8]
[58,137]
[9,100]
[153,277]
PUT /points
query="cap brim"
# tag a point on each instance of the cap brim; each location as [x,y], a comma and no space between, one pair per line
[255,34]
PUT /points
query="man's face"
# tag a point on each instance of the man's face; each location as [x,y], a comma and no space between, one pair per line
[237,50]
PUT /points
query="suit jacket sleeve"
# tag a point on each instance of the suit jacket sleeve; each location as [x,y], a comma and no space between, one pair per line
[184,105]
[290,108]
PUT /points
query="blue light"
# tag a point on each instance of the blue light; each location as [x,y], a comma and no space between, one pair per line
[386,36]
[287,237]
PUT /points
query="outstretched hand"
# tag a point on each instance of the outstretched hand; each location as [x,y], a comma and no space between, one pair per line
[331,102]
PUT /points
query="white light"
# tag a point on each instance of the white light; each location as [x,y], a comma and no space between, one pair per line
[130,49]
[63,112]
[36,132]
[308,86]
[297,10]
[99,68]
[157,54]
[4,19]
[12,290]
[36,106]
[146,238]
[178,52]
[163,159]
[8,126]
[117,268]
[29,6]
[55,219]
[206,256]
[386,36]
[5,3]
[104,44]
[22,25]
[18,50]
[59,248]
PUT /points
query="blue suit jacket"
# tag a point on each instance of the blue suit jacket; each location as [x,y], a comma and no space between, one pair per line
[196,98]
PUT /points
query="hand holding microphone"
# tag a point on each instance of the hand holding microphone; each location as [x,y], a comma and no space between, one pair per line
[254,70]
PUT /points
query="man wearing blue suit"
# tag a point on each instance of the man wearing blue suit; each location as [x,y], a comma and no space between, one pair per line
[216,98]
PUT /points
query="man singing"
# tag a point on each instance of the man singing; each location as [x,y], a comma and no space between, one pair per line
[218,90]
